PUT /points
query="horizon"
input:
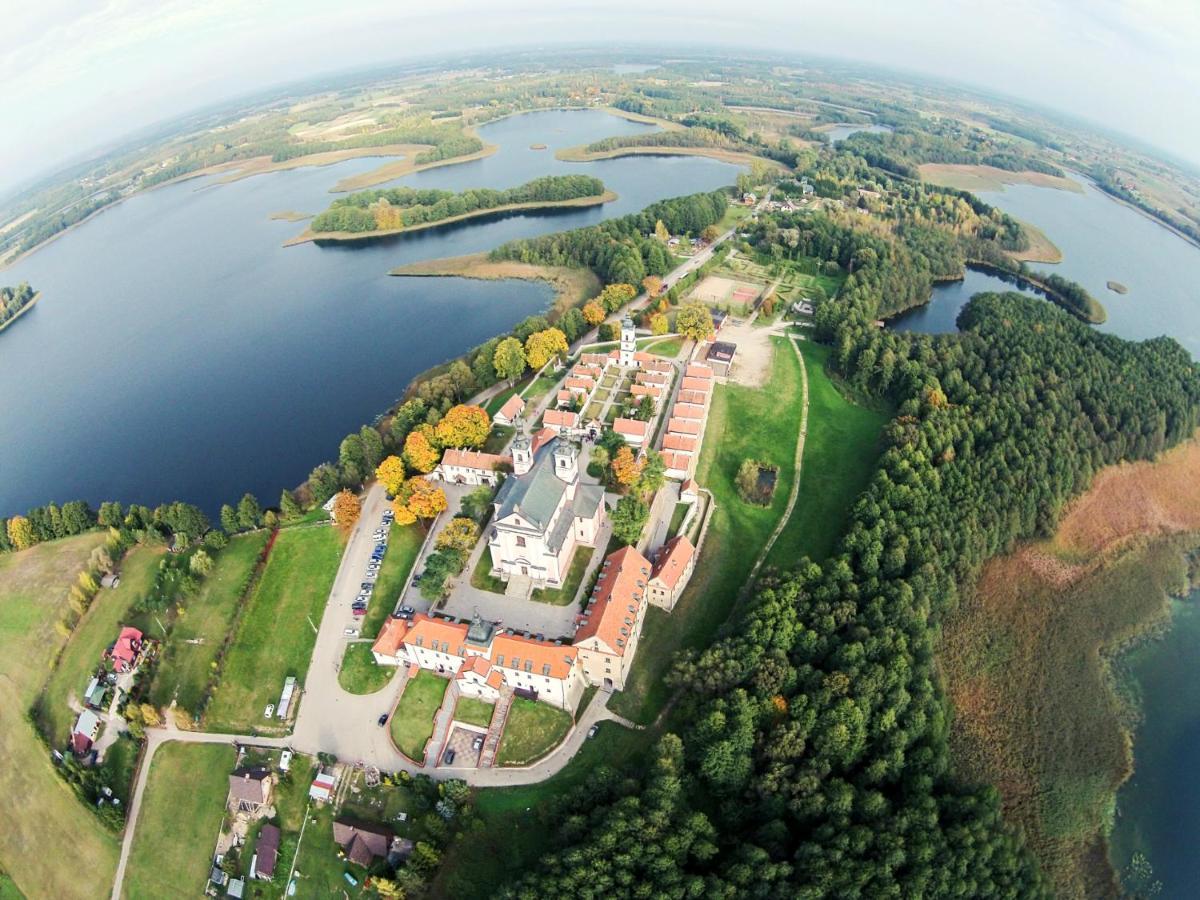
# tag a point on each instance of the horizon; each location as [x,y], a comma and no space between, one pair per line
[102,97]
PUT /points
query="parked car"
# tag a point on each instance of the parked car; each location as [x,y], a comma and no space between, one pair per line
[367,586]
[448,757]
[350,632]
[477,744]
[359,610]
[406,612]
[592,731]
[269,711]
[383,719]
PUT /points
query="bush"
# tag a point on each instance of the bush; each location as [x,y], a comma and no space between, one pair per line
[756,481]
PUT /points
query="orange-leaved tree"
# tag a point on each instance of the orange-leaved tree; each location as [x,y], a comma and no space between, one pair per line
[346,510]
[464,426]
[420,452]
[593,313]
[652,284]
[420,499]
[625,467]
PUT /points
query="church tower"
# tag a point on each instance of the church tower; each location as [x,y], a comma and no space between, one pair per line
[566,460]
[522,454]
[628,343]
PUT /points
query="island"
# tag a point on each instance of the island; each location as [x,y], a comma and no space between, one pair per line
[1117,288]
[377,213]
[16,301]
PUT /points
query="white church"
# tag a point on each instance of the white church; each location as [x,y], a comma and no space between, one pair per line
[542,512]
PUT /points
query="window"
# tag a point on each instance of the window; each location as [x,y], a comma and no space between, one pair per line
[529,665]
[420,641]
[516,662]
[608,671]
[520,541]
[500,660]
[545,668]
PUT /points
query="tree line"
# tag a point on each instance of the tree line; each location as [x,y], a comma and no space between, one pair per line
[809,754]
[393,208]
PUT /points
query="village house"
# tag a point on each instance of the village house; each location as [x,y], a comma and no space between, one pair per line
[362,843]
[250,789]
[508,414]
[564,421]
[83,735]
[688,411]
[683,426]
[323,785]
[634,431]
[689,491]
[124,652]
[720,356]
[266,853]
[542,513]
[609,626]
[93,697]
[471,467]
[673,565]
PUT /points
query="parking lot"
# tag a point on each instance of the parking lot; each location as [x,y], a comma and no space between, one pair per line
[462,742]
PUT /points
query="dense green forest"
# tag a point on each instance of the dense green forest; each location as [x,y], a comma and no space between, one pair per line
[622,250]
[809,753]
[940,141]
[403,207]
[13,300]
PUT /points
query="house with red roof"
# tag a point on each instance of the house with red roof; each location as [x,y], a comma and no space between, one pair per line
[471,467]
[607,631]
[673,566]
[634,431]
[510,411]
[125,651]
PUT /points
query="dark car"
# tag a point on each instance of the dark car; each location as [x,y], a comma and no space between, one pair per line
[383,719]
[448,758]
[406,612]
[592,731]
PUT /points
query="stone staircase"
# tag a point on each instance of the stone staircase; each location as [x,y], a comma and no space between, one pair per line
[519,587]
[491,743]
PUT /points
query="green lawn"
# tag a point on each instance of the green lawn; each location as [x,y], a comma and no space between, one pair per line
[360,674]
[9,889]
[474,712]
[734,213]
[290,799]
[404,543]
[188,661]
[482,579]
[38,809]
[677,518]
[566,594]
[540,387]
[276,633]
[840,453]
[498,437]
[514,821]
[493,405]
[669,347]
[412,722]
[96,630]
[181,813]
[533,729]
[319,871]
[762,423]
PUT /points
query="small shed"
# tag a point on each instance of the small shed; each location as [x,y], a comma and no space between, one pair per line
[285,699]
[110,580]
[720,356]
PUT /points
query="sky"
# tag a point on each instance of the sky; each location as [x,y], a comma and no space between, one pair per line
[78,74]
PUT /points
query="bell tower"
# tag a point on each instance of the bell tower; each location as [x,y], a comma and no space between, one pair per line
[522,454]
[628,343]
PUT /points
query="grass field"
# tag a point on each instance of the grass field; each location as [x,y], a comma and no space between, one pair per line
[404,543]
[360,674]
[669,347]
[566,594]
[9,889]
[677,518]
[474,712]
[482,579]
[532,730]
[177,829]
[515,822]
[412,722]
[540,387]
[33,594]
[762,423]
[275,638]
[96,630]
[840,451]
[186,664]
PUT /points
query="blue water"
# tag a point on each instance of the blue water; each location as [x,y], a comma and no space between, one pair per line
[940,314]
[841,132]
[180,352]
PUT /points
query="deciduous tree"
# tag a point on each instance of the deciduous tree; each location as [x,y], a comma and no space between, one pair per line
[420,455]
[625,467]
[652,285]
[659,324]
[694,321]
[464,426]
[346,510]
[509,360]
[390,473]
[543,346]
[593,313]
[460,534]
[628,519]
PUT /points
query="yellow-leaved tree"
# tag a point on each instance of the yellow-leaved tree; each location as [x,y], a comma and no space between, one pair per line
[390,473]
[625,467]
[464,426]
[694,321]
[418,499]
[593,313]
[20,532]
[420,454]
[542,346]
[346,510]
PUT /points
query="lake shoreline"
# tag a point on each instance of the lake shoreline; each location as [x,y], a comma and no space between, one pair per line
[734,157]
[349,237]
[24,309]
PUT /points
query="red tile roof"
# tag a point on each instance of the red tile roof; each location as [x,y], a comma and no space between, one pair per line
[697,397]
[695,384]
[687,411]
[683,426]
[631,427]
[611,616]
[676,462]
[538,654]
[646,390]
[436,634]
[672,561]
[391,637]
[560,418]
[541,439]
[680,442]
[473,459]
[697,370]
[579,384]
[652,378]
[512,407]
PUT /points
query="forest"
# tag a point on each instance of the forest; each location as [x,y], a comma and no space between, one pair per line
[808,756]
[13,300]
[622,250]
[941,141]
[403,207]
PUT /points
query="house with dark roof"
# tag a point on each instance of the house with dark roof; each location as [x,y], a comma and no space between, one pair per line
[542,513]
[362,843]
[720,356]
[266,853]
[250,788]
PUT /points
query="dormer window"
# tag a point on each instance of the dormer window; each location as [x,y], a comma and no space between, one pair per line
[516,662]
[500,660]
[545,668]
[529,665]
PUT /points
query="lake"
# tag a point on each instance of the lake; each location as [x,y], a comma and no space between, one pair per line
[1159,807]
[180,352]
[1101,240]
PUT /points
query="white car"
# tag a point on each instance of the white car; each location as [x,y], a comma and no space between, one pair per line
[350,632]
[270,711]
